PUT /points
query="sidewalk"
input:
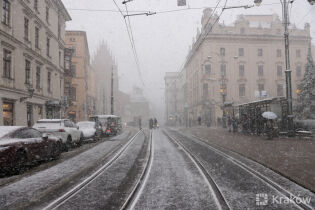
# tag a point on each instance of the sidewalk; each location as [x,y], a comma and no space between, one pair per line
[293,158]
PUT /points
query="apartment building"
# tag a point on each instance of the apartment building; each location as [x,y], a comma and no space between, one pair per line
[81,89]
[241,63]
[32,47]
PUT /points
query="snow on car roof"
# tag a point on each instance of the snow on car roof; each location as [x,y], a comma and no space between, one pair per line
[50,120]
[4,130]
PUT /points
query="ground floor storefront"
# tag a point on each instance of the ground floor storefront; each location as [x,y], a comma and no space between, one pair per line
[15,110]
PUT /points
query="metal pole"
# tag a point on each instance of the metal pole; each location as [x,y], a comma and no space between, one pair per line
[112,92]
[288,70]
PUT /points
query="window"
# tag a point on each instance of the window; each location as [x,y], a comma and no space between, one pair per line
[72,39]
[222,51]
[223,70]
[38,77]
[74,52]
[59,30]
[208,69]
[278,31]
[241,90]
[26,26]
[205,91]
[67,89]
[241,69]
[8,113]
[27,71]
[74,70]
[74,93]
[36,37]
[242,30]
[7,60]
[260,52]
[279,90]
[298,53]
[48,47]
[240,51]
[260,70]
[47,14]
[49,82]
[261,87]
[36,5]
[298,71]
[27,133]
[6,12]
[278,53]
[60,60]
[279,71]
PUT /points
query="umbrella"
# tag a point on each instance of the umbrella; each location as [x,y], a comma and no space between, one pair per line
[269,115]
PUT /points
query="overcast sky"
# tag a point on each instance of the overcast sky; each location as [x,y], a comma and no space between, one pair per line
[161,40]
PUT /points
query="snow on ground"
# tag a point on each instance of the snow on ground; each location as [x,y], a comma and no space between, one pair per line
[238,186]
[29,188]
[110,189]
[174,182]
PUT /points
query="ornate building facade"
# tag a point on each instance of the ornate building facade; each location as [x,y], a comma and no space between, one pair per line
[32,60]
[241,63]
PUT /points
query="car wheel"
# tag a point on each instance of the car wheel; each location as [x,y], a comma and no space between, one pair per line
[19,162]
[68,143]
[56,150]
[81,140]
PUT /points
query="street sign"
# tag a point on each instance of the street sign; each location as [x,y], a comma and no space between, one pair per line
[264,93]
[181,3]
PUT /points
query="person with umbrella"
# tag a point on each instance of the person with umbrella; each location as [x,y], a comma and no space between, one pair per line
[269,124]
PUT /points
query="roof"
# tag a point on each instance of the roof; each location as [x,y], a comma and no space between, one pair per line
[105,116]
[51,120]
[4,130]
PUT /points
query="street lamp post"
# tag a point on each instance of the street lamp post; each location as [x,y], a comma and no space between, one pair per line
[285,6]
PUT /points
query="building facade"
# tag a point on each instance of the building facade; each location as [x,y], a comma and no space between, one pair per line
[32,60]
[104,66]
[241,63]
[81,89]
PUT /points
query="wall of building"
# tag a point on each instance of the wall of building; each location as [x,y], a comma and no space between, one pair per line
[13,38]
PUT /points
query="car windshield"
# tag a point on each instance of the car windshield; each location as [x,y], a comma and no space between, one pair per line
[157,104]
[86,124]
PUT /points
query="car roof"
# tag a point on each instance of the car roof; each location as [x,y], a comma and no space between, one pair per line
[5,130]
[106,116]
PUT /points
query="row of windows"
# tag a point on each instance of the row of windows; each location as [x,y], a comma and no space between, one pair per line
[6,11]
[261,88]
[207,70]
[260,52]
[242,90]
[7,71]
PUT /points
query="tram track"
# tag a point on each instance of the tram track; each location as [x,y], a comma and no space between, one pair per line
[214,189]
[80,186]
[138,187]
[286,193]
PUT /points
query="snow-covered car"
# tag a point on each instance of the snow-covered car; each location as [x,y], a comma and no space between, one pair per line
[90,130]
[64,129]
[22,146]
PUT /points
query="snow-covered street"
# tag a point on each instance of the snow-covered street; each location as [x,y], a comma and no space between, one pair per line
[157,169]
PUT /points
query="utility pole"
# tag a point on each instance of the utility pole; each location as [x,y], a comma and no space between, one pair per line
[112,92]
[285,12]
[288,70]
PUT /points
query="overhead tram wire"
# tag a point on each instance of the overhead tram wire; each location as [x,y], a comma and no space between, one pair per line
[131,42]
[134,46]
[157,12]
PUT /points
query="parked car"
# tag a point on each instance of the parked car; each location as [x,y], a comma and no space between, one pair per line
[110,124]
[65,129]
[90,130]
[22,146]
